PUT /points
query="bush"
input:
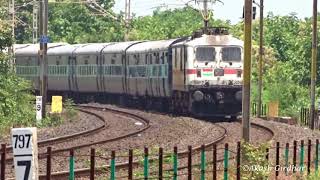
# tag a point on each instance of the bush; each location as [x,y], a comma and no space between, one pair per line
[254,157]
[71,112]
[16,101]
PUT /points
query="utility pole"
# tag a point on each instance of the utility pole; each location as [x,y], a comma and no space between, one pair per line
[205,16]
[247,70]
[12,13]
[261,53]
[127,18]
[314,64]
[35,22]
[43,53]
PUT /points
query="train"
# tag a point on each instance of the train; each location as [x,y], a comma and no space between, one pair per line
[200,74]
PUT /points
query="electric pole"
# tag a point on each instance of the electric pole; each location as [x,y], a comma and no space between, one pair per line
[205,16]
[127,19]
[247,70]
[12,13]
[261,53]
[314,64]
[43,53]
[35,22]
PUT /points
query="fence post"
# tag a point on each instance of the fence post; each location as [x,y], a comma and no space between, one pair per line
[301,155]
[130,168]
[277,158]
[92,163]
[113,165]
[309,155]
[317,156]
[301,114]
[175,163]
[238,160]
[287,158]
[3,161]
[146,163]
[267,154]
[71,165]
[189,162]
[160,163]
[48,176]
[214,161]
[294,155]
[203,162]
[226,161]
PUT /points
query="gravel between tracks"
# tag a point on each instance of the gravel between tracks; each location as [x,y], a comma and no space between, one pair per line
[165,131]
[82,122]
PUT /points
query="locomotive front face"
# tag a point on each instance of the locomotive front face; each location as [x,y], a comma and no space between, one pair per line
[215,75]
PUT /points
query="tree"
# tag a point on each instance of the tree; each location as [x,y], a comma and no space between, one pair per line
[16,107]
[169,24]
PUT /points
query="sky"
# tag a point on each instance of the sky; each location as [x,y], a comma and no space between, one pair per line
[230,10]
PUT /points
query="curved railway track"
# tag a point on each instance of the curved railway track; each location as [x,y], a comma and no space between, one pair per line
[183,154]
[143,120]
[124,165]
[72,136]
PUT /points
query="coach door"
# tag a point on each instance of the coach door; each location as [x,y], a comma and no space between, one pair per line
[72,78]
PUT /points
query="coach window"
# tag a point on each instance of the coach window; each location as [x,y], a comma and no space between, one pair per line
[175,58]
[150,58]
[179,57]
[136,58]
[157,58]
[146,59]
[182,58]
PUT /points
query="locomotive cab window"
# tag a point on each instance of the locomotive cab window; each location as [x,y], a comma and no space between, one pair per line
[231,54]
[205,54]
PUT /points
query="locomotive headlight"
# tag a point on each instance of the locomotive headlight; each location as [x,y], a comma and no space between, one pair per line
[219,95]
[209,98]
[198,96]
[238,96]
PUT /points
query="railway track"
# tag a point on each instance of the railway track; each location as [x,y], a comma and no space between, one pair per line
[72,136]
[181,155]
[144,121]
[86,171]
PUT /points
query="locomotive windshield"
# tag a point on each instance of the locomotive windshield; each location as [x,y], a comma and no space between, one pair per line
[231,54]
[205,54]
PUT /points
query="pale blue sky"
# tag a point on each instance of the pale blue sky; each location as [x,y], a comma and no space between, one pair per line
[231,10]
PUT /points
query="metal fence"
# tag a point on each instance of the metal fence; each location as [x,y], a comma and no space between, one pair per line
[224,162]
[304,119]
[254,109]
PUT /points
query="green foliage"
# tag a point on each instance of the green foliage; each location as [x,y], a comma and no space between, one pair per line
[254,156]
[16,102]
[51,120]
[314,176]
[75,23]
[169,24]
[71,112]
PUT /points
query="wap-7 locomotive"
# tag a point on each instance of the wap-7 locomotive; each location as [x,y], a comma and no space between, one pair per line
[199,75]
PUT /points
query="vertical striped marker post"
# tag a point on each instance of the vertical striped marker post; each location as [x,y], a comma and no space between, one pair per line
[113,166]
[226,161]
[175,163]
[203,163]
[71,165]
